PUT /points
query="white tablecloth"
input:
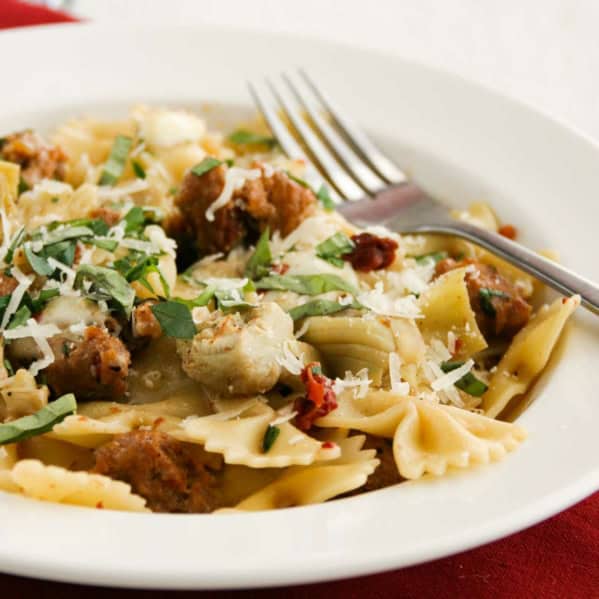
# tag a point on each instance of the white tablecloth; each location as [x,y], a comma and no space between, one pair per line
[545,52]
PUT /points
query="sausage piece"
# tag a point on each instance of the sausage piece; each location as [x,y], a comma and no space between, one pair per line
[276,201]
[38,159]
[95,367]
[500,309]
[171,475]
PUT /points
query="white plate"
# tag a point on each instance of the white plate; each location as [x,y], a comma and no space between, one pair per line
[461,141]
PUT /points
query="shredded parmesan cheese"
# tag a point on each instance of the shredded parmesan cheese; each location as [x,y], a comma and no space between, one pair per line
[39,333]
[303,330]
[114,193]
[24,282]
[397,385]
[289,360]
[388,304]
[359,383]
[235,177]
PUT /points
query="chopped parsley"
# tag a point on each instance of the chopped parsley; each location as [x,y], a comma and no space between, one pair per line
[270,436]
[486,296]
[333,248]
[259,263]
[306,284]
[106,284]
[242,137]
[320,307]
[468,383]
[206,165]
[175,319]
[138,169]
[115,165]
[325,198]
[436,257]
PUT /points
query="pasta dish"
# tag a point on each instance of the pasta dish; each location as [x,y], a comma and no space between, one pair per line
[188,327]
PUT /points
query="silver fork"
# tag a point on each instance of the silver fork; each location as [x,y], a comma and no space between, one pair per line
[376,190]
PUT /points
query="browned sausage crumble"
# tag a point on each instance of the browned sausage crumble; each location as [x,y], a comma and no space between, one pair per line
[277,202]
[169,474]
[499,307]
[38,159]
[95,367]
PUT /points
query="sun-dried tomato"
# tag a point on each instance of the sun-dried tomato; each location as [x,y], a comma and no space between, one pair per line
[508,231]
[320,399]
[371,252]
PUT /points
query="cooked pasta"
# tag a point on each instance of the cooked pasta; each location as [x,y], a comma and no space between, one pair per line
[187,326]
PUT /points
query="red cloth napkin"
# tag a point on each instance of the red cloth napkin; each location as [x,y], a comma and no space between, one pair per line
[558,559]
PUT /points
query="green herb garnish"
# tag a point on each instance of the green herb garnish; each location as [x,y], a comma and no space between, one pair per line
[320,307]
[468,383]
[115,165]
[14,244]
[23,186]
[334,247]
[38,263]
[436,257]
[206,165]
[306,284]
[107,284]
[19,318]
[270,436]
[134,220]
[486,296]
[9,369]
[138,169]
[298,180]
[175,319]
[325,198]
[242,137]
[105,244]
[41,422]
[259,263]
[37,305]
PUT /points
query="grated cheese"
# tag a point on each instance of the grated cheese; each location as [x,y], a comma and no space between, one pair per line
[69,280]
[451,378]
[292,363]
[235,177]
[450,394]
[158,238]
[31,329]
[451,342]
[283,418]
[388,304]
[114,193]
[303,330]
[397,385]
[358,383]
[6,240]
[24,282]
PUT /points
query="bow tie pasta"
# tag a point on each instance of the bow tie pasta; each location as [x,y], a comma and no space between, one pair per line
[186,326]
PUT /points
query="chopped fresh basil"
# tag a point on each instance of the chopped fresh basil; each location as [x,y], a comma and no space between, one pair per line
[134,220]
[115,165]
[97,225]
[334,247]
[19,318]
[107,284]
[14,244]
[243,137]
[232,299]
[259,263]
[37,304]
[9,369]
[138,169]
[298,180]
[486,296]
[105,244]
[270,436]
[55,200]
[41,422]
[206,165]
[175,319]
[63,251]
[136,266]
[23,186]
[434,256]
[68,232]
[319,307]
[38,263]
[468,383]
[325,198]
[201,300]
[174,190]
[306,284]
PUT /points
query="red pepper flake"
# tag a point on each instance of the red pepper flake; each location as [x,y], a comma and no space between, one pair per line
[564,300]
[328,445]
[508,231]
[280,269]
[100,505]
[320,399]
[371,252]
[115,410]
[459,344]
[157,422]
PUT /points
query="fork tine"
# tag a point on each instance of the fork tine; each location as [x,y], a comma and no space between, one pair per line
[379,161]
[287,142]
[335,172]
[355,164]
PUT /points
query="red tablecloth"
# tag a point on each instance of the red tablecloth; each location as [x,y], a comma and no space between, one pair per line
[558,559]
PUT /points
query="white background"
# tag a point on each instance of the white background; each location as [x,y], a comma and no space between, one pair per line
[545,52]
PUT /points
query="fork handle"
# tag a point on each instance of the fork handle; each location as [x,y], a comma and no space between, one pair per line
[559,278]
